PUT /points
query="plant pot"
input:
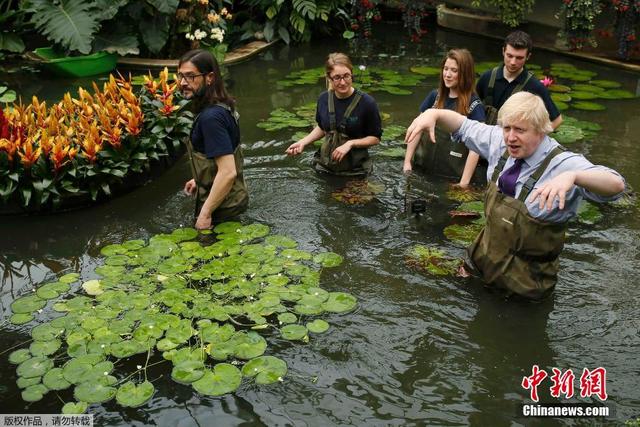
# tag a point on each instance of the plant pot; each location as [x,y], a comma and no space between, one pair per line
[76,66]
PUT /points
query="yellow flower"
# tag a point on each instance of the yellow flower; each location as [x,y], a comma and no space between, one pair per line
[224,11]
[213,17]
[229,16]
[203,1]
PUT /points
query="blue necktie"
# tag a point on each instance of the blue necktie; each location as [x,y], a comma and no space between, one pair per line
[507,181]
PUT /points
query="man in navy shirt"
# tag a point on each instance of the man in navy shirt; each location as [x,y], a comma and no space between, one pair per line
[513,77]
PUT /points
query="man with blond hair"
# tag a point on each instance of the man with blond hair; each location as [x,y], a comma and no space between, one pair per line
[534,188]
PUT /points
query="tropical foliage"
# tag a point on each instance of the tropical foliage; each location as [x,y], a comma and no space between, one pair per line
[85,146]
[198,309]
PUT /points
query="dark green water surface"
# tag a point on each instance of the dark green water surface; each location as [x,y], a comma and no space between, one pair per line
[419,350]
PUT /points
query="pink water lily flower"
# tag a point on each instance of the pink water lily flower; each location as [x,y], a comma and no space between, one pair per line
[547,81]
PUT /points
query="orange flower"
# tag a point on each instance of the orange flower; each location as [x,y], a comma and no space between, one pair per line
[168,108]
[151,84]
[9,147]
[91,145]
[28,156]
[61,153]
[213,17]
[133,120]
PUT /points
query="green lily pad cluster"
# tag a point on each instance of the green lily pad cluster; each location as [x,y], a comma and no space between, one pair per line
[465,233]
[173,300]
[369,79]
[573,130]
[589,213]
[282,119]
[431,260]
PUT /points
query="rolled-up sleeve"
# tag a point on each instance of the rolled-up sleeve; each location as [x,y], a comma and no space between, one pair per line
[482,138]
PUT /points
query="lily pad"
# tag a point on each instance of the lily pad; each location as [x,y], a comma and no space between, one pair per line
[92,287]
[69,278]
[44,348]
[74,408]
[19,356]
[280,241]
[247,345]
[328,259]
[294,332]
[559,88]
[133,395]
[584,95]
[462,234]
[265,369]
[187,371]
[607,84]
[54,380]
[113,250]
[95,392]
[285,318]
[464,194]
[21,318]
[28,304]
[617,94]
[560,97]
[588,213]
[318,326]
[426,71]
[27,382]
[340,302]
[357,192]
[589,106]
[33,393]
[34,367]
[224,378]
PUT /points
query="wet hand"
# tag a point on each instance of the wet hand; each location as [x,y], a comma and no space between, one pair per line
[558,187]
[295,149]
[424,122]
[203,222]
[339,153]
[407,169]
[190,187]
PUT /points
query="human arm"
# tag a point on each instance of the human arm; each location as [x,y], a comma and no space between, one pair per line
[426,122]
[297,147]
[556,122]
[368,141]
[469,169]
[220,188]
[597,181]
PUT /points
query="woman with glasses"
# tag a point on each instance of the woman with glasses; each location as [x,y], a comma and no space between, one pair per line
[214,146]
[448,157]
[347,119]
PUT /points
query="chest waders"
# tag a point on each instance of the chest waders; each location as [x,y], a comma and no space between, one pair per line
[490,111]
[357,161]
[204,171]
[515,251]
[446,158]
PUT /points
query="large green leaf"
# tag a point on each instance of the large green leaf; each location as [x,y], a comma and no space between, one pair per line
[69,23]
[165,6]
[224,378]
[155,32]
[119,40]
[132,395]
[11,42]
[266,369]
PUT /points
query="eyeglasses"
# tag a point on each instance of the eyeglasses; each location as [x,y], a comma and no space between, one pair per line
[188,77]
[336,79]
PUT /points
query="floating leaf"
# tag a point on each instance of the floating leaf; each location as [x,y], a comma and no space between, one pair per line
[183,234]
[431,260]
[27,382]
[588,213]
[280,241]
[96,392]
[285,318]
[131,395]
[584,95]
[589,106]
[266,369]
[318,326]
[187,371]
[340,302]
[328,259]
[74,408]
[54,380]
[27,304]
[617,94]
[462,234]
[19,356]
[357,192]
[559,88]
[560,97]
[224,378]
[34,367]
[464,194]
[69,278]
[44,348]
[293,332]
[607,84]
[33,393]
[21,318]
[426,71]
[247,345]
[113,250]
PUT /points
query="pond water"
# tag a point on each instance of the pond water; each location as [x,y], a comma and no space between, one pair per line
[420,349]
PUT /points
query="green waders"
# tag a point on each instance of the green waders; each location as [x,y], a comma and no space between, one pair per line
[204,171]
[446,157]
[491,112]
[357,161]
[515,251]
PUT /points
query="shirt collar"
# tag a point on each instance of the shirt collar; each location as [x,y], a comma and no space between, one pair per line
[541,153]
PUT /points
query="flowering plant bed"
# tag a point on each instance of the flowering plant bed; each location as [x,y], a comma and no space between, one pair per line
[86,149]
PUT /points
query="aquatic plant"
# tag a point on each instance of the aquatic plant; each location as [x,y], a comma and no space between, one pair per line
[87,145]
[197,308]
[357,192]
[431,260]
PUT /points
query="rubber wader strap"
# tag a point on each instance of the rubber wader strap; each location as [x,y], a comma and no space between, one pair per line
[523,84]
[488,100]
[332,111]
[500,165]
[531,181]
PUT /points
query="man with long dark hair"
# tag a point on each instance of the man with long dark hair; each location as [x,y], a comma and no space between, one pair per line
[214,148]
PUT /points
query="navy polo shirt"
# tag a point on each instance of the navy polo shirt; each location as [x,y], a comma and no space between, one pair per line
[363,121]
[215,132]
[502,89]
[475,105]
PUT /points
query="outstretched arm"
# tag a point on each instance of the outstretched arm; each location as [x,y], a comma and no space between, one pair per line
[599,182]
[297,147]
[426,122]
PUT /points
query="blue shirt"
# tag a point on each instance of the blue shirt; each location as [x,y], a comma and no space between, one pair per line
[215,132]
[363,121]
[476,109]
[502,89]
[488,141]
